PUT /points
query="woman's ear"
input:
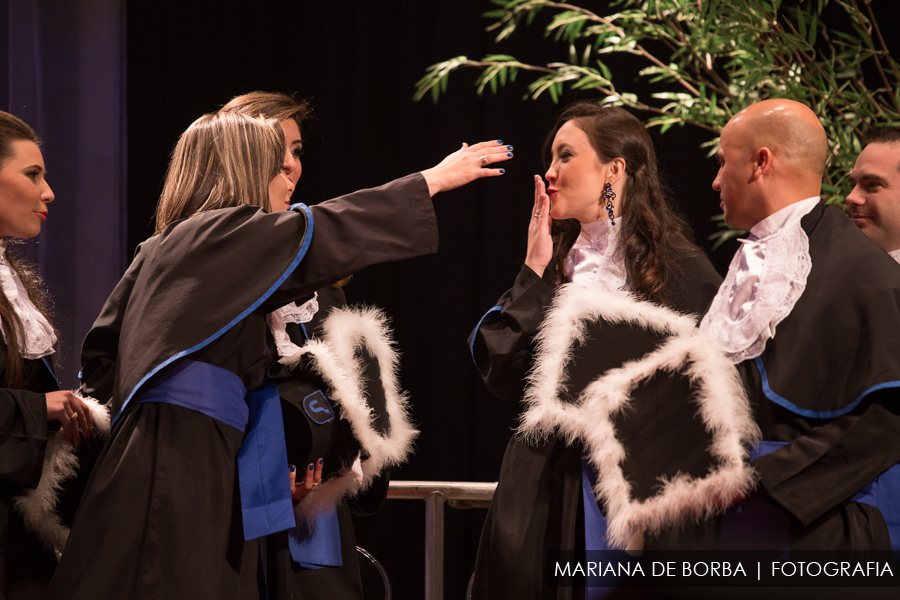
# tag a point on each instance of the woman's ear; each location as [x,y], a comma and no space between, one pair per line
[615,170]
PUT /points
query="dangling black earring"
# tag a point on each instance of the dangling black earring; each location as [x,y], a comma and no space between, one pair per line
[609,195]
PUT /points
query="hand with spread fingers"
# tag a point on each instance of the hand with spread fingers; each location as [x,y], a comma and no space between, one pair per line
[540,243]
[72,413]
[467,164]
[311,478]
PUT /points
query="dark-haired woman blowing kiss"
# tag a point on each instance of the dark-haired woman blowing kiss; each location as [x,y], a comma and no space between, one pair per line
[603,224]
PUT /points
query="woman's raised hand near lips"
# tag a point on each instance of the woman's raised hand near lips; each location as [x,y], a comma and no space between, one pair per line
[540,244]
[71,412]
[467,164]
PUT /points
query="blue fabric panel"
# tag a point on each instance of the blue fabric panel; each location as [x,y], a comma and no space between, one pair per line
[477,327]
[262,460]
[758,449]
[263,469]
[594,521]
[206,388]
[597,587]
[888,502]
[319,546]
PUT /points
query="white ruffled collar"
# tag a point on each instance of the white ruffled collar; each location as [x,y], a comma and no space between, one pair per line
[765,279]
[599,235]
[40,339]
[290,313]
[778,221]
[594,259]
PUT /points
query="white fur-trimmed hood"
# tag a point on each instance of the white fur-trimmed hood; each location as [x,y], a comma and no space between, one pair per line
[346,331]
[38,506]
[720,402]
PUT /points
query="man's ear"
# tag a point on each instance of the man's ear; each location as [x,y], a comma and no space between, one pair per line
[762,163]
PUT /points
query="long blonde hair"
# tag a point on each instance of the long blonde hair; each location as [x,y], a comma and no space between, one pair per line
[223,159]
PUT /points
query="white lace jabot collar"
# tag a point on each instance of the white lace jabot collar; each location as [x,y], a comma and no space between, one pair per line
[290,313]
[765,279]
[594,258]
[40,339]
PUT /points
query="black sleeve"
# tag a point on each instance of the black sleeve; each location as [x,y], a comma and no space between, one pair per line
[100,349]
[698,284]
[384,224]
[501,344]
[826,467]
[23,436]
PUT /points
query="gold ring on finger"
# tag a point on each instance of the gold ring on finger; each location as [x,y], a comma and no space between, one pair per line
[74,416]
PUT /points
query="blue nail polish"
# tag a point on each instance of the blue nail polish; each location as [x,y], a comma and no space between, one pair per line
[320,461]
[502,171]
[463,145]
[293,468]
[310,467]
[499,141]
[509,147]
[509,153]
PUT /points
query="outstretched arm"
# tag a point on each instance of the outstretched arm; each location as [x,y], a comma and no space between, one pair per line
[466,165]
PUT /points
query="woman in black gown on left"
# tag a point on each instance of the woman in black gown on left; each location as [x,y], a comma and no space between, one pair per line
[32,406]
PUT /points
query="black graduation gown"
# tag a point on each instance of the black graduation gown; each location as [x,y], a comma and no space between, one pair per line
[161,516]
[538,504]
[25,564]
[829,356]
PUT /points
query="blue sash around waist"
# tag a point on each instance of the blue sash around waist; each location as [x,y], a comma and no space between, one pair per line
[265,491]
[883,493]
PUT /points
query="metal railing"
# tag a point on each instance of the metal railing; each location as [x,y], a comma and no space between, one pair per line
[437,494]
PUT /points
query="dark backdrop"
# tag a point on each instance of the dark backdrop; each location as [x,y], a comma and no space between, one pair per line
[62,70]
[357,62]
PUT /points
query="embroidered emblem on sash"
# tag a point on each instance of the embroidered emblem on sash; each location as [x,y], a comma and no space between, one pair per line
[317,408]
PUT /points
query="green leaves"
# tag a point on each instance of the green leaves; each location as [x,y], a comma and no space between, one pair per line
[704,60]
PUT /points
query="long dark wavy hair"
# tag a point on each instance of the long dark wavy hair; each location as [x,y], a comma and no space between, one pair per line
[13,129]
[652,235]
